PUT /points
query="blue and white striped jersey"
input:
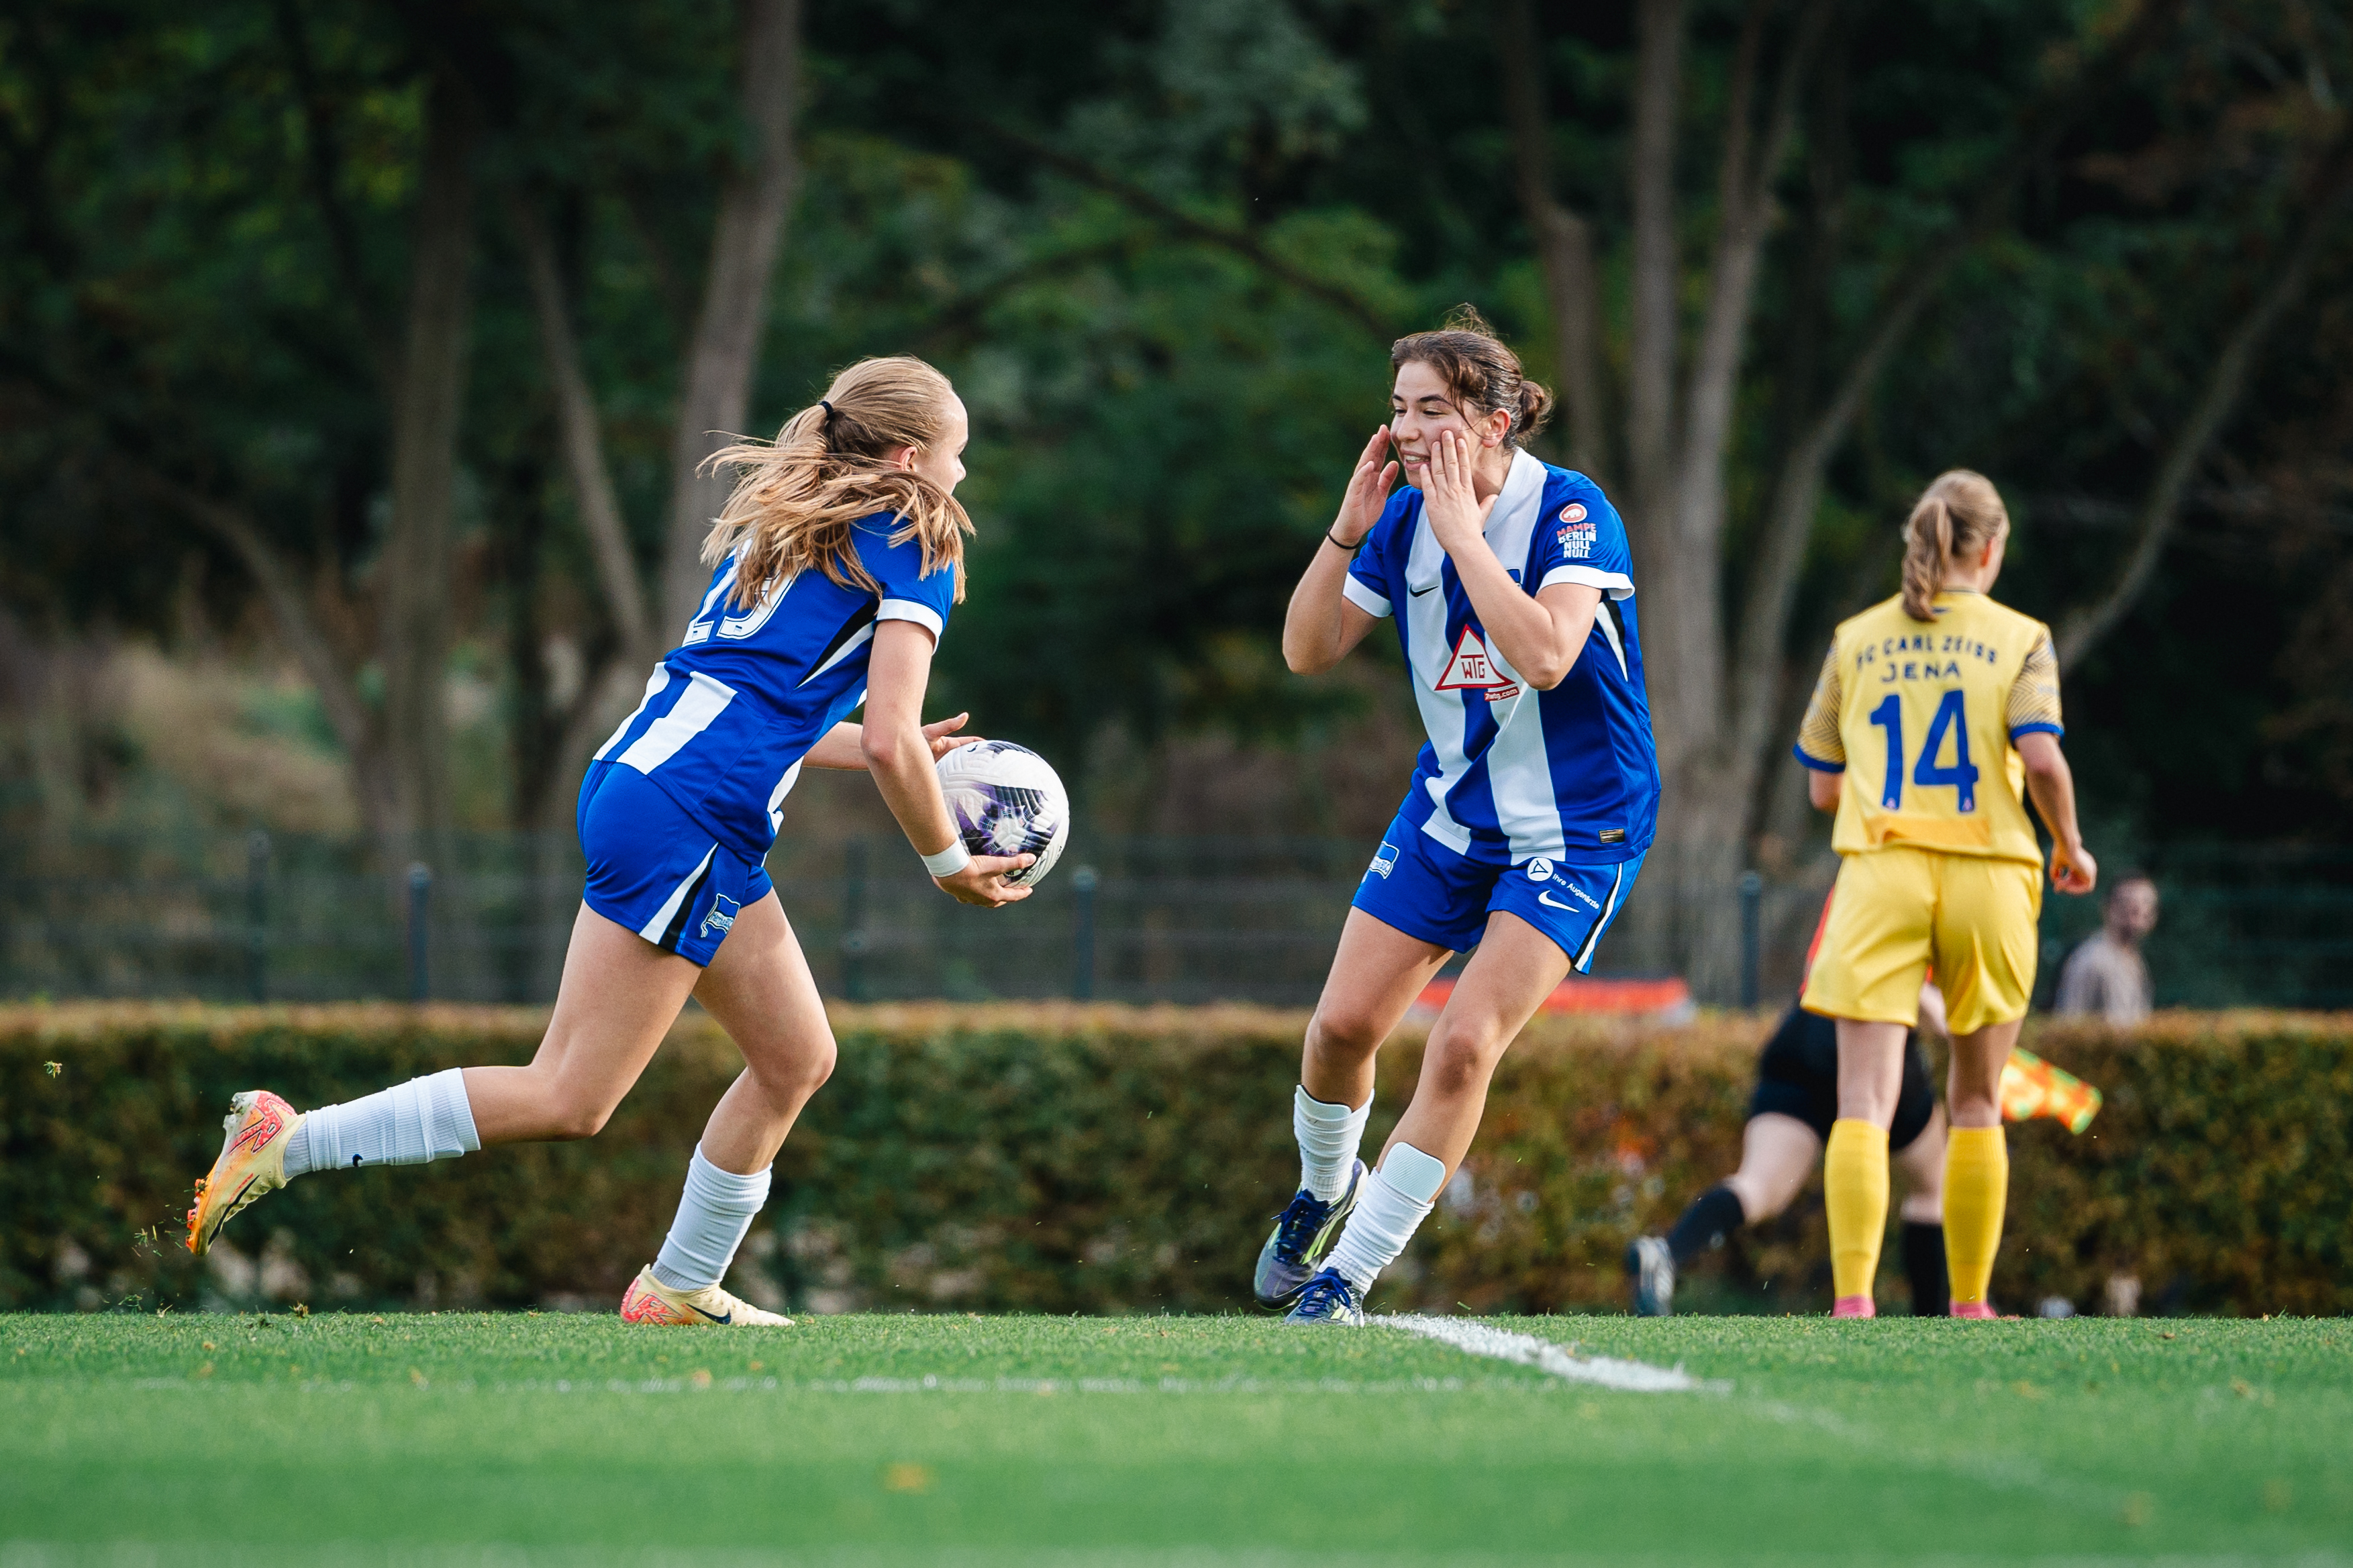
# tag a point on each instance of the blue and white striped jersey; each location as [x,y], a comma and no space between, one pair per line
[1570,775]
[729,714]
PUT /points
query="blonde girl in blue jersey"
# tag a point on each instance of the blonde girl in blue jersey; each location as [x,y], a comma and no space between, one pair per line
[1511,588]
[836,564]
[1935,716]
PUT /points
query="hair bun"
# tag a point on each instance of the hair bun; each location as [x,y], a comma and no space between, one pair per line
[1536,407]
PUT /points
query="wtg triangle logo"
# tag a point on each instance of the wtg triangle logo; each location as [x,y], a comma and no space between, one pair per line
[1470,670]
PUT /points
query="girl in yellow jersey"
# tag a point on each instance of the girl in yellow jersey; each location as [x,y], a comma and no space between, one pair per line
[1932,710]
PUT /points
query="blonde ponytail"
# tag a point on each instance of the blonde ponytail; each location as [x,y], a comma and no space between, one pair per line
[797,497]
[1956,516]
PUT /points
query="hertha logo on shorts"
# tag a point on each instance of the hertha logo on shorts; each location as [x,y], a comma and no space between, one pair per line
[1383,863]
[722,914]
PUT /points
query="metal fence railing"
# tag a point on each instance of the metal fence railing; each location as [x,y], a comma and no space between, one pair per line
[1129,919]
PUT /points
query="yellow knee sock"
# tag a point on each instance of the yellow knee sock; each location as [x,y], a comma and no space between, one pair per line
[1854,1190]
[1977,1187]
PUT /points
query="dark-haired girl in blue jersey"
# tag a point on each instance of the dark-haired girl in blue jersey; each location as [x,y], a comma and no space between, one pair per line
[1529,811]
[836,564]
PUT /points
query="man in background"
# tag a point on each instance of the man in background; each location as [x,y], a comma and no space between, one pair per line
[2105,976]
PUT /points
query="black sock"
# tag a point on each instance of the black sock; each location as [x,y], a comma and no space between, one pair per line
[1712,1215]
[1924,1265]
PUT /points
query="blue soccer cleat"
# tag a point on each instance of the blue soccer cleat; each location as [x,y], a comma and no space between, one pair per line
[1328,1298]
[1301,1234]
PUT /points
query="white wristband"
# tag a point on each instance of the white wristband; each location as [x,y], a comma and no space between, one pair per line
[948,861]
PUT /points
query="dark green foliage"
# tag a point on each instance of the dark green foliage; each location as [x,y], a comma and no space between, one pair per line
[1114,1160]
[207,233]
[2217,1172]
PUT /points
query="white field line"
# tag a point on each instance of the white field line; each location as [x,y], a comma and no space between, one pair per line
[1997,1470]
[1527,1350]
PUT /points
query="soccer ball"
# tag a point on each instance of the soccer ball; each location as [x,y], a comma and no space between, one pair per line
[1008,800]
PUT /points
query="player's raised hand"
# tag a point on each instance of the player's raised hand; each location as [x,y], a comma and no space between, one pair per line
[2074,870]
[1448,500]
[942,736]
[1368,492]
[982,883]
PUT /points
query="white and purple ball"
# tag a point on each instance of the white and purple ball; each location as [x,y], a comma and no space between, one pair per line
[1008,800]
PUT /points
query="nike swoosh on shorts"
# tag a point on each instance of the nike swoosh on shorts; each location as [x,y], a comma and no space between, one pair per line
[1548,899]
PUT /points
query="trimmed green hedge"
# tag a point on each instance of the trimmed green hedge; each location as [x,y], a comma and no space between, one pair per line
[1107,1159]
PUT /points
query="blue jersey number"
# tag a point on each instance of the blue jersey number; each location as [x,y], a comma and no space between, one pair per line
[1950,717]
[1962,775]
[1889,716]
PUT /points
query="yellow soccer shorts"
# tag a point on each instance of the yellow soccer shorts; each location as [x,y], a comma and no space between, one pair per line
[1899,911]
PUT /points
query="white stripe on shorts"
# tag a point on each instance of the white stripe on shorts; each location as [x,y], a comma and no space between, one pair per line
[654,930]
[1585,953]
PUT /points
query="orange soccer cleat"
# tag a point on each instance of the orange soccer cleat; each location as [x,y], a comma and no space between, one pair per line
[252,1161]
[651,1302]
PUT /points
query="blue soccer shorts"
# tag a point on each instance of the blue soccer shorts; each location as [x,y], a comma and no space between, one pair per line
[1426,891]
[655,870]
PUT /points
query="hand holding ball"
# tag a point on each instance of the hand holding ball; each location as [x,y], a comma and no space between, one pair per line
[1007,800]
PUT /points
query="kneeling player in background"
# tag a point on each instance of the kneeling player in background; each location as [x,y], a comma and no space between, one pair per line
[1789,1119]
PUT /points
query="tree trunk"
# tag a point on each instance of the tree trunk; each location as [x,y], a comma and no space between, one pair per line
[1564,241]
[1650,373]
[1703,822]
[584,443]
[746,240]
[428,397]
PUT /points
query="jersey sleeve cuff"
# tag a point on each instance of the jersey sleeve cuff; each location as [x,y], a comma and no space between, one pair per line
[1816,763]
[1617,585]
[923,615]
[1363,598]
[2040,726]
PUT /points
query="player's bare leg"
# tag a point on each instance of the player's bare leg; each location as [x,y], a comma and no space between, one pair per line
[1854,1165]
[1777,1154]
[1515,968]
[618,997]
[1776,1158]
[1977,1164]
[759,989]
[1375,977]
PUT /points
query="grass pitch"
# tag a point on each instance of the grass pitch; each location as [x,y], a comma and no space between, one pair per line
[461,1440]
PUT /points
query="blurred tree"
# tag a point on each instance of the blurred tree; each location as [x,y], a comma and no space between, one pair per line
[424,317]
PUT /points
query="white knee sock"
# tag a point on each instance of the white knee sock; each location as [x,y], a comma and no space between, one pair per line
[408,1124]
[1396,1199]
[1328,1136]
[717,1210]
